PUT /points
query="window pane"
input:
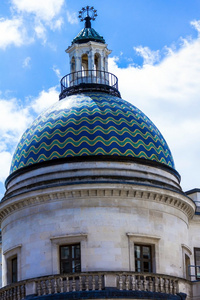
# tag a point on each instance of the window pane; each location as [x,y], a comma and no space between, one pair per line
[147,266]
[197,257]
[137,266]
[77,266]
[146,252]
[65,267]
[14,269]
[65,252]
[197,261]
[77,251]
[137,251]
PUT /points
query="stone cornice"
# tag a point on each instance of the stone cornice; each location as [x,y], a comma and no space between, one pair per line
[167,197]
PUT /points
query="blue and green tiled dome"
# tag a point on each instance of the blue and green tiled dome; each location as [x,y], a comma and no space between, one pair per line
[91,124]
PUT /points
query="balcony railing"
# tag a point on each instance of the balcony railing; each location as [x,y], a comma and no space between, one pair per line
[90,80]
[96,281]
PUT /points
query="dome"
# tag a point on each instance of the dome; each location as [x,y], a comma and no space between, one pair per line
[91,124]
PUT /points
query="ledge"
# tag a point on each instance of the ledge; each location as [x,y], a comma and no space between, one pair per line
[146,236]
[81,235]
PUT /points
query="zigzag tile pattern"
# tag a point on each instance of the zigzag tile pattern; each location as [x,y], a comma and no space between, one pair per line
[91,124]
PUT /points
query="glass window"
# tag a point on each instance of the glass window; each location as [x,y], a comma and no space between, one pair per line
[70,259]
[14,270]
[143,258]
[197,262]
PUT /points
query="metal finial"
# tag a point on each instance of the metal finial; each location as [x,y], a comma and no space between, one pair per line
[87,14]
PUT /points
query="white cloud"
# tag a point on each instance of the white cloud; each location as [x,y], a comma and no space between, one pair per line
[14,121]
[57,72]
[26,62]
[72,17]
[28,14]
[168,93]
[14,118]
[150,57]
[196,25]
[5,161]
[57,24]
[45,99]
[40,31]
[42,9]
[12,31]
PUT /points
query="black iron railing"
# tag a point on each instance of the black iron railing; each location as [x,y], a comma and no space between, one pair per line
[89,80]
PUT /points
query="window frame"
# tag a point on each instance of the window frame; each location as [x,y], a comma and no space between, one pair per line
[57,241]
[71,260]
[195,262]
[9,255]
[143,239]
[142,259]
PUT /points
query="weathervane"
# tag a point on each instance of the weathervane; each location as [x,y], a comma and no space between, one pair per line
[87,14]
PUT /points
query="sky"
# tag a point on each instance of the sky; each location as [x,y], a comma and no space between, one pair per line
[155,55]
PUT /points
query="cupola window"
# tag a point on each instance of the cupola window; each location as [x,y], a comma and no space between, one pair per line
[84,65]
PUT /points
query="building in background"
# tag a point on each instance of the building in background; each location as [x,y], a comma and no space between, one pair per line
[93,205]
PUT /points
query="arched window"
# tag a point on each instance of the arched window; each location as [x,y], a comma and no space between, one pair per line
[97,62]
[84,65]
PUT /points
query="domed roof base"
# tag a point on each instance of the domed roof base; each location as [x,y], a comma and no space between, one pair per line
[92,170]
[111,293]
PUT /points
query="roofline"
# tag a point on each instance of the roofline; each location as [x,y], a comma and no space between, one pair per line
[109,158]
[192,191]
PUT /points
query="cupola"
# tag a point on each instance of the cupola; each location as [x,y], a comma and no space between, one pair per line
[88,56]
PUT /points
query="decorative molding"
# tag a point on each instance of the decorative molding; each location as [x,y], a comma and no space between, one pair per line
[146,236]
[68,236]
[12,248]
[189,251]
[177,201]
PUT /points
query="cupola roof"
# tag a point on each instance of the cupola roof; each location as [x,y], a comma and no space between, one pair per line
[88,33]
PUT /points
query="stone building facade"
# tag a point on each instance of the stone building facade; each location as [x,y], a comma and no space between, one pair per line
[93,205]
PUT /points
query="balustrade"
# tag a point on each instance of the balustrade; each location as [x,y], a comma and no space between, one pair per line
[129,281]
[90,80]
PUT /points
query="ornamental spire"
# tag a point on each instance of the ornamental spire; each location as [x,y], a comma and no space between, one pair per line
[87,14]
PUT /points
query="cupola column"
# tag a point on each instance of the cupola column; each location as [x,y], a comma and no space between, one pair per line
[78,62]
[102,59]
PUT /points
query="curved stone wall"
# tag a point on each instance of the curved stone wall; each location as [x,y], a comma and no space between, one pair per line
[106,220]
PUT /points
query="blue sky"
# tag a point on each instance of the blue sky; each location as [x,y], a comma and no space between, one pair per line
[155,54]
